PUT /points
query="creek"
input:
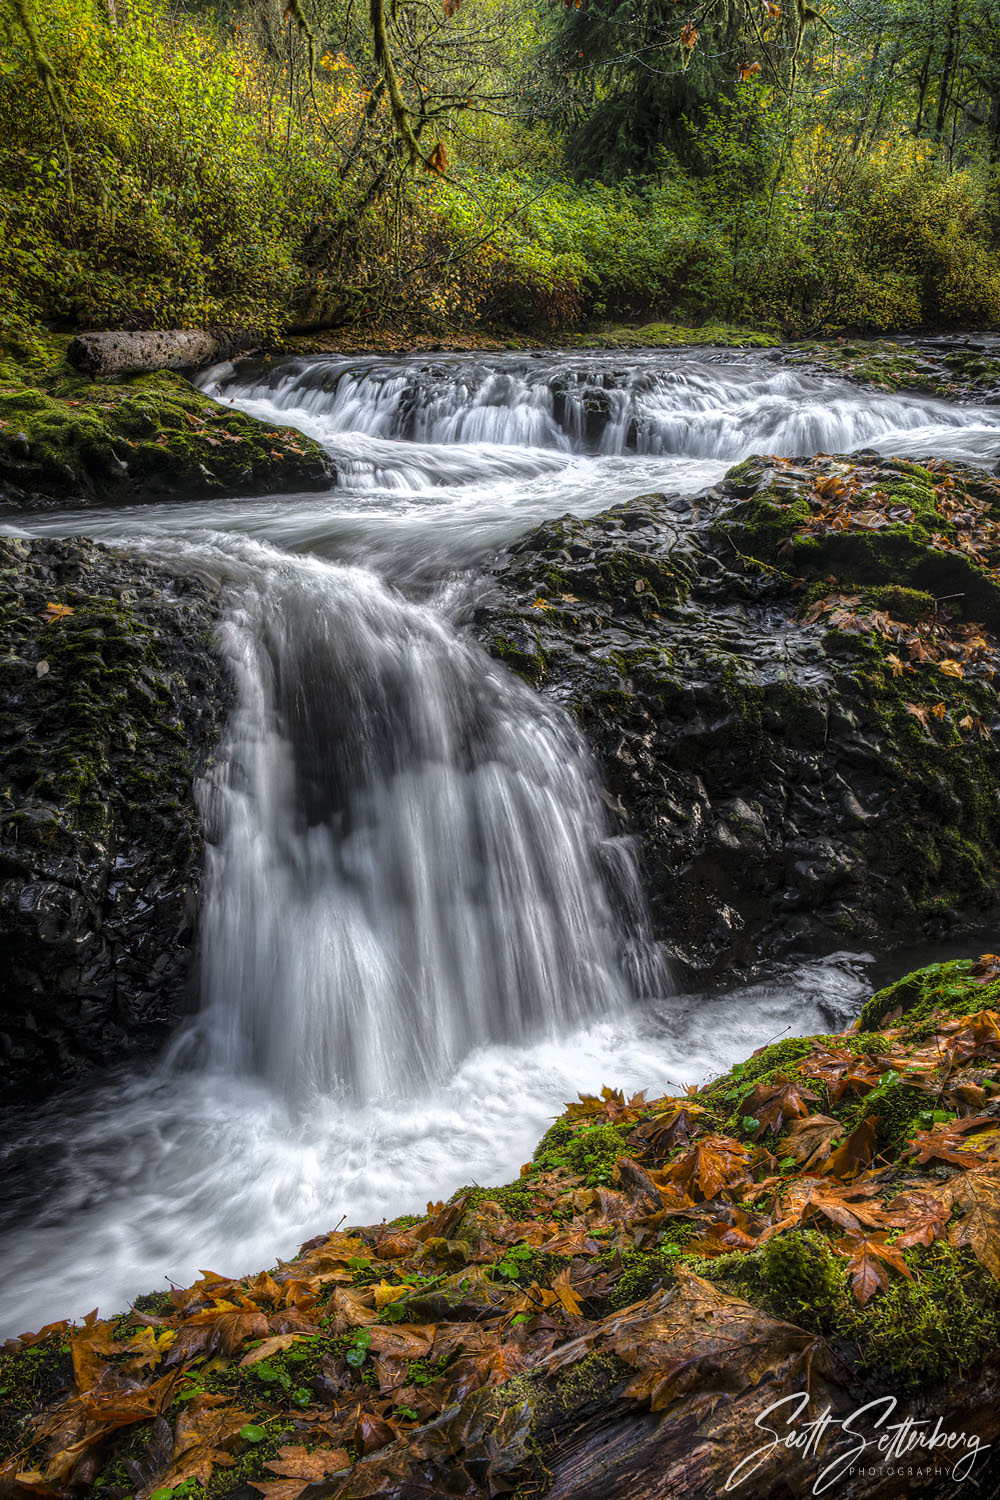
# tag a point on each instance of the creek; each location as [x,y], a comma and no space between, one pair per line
[420,931]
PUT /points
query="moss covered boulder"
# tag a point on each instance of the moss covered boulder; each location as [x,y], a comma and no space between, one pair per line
[960,368]
[67,439]
[113,699]
[791,688]
[819,1228]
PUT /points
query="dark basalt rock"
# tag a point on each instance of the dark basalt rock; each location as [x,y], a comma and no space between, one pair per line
[798,775]
[113,700]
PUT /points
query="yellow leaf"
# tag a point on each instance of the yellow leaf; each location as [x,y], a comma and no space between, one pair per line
[58,611]
[270,1346]
[950,668]
[567,1296]
[939,710]
[965,723]
[384,1294]
[541,603]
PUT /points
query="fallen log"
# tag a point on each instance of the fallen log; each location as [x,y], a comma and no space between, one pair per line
[120,354]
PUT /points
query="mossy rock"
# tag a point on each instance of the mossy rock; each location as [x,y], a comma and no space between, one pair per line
[950,986]
[114,698]
[66,438]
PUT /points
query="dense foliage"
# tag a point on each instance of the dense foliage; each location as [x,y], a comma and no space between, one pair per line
[529,165]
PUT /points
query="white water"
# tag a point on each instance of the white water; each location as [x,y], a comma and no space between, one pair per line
[412,860]
[419,934]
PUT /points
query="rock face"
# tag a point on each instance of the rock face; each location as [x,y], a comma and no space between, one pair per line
[956,368]
[113,702]
[790,687]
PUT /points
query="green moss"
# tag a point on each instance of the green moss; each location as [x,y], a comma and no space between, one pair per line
[555,1138]
[674,335]
[728,1092]
[250,1461]
[897,1107]
[30,1378]
[525,657]
[514,1198]
[945,986]
[64,435]
[103,691]
[644,1271]
[935,1328]
[595,1150]
[795,1276]
[892,565]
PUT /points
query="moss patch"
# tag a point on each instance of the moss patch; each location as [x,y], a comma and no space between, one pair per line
[66,437]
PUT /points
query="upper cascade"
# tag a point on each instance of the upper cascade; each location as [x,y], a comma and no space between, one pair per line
[696,406]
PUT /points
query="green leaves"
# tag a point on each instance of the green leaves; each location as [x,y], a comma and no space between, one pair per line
[357,1350]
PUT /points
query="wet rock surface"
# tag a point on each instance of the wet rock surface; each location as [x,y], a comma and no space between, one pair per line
[963,367]
[790,688]
[114,697]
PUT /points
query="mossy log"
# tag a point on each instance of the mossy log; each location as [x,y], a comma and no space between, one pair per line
[117,354]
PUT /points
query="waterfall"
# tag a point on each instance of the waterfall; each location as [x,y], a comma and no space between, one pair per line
[419,933]
[396,422]
[410,857]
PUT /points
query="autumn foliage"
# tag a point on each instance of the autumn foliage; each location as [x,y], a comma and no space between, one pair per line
[367,1359]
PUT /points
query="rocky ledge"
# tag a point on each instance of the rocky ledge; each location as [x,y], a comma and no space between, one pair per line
[113,699]
[960,367]
[68,440]
[790,685]
[819,1228]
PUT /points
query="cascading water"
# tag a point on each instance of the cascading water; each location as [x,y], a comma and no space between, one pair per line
[419,934]
[572,404]
[412,859]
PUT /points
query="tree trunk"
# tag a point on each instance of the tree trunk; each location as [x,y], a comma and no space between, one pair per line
[118,354]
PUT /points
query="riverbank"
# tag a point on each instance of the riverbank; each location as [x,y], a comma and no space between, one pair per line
[821,1218]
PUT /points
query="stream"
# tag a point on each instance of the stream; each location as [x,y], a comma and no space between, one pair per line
[420,932]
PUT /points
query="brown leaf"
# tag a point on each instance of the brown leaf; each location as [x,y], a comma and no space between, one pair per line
[218,1330]
[673,1342]
[856,1152]
[270,1346]
[946,1142]
[300,1467]
[373,1432]
[772,1104]
[808,1139]
[715,1163]
[978,1194]
[867,1256]
[567,1297]
[206,1429]
[923,1216]
[674,1127]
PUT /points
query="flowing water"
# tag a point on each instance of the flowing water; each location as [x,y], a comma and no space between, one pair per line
[419,931]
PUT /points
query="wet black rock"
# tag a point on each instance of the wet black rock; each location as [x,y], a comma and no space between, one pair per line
[113,699]
[802,735]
